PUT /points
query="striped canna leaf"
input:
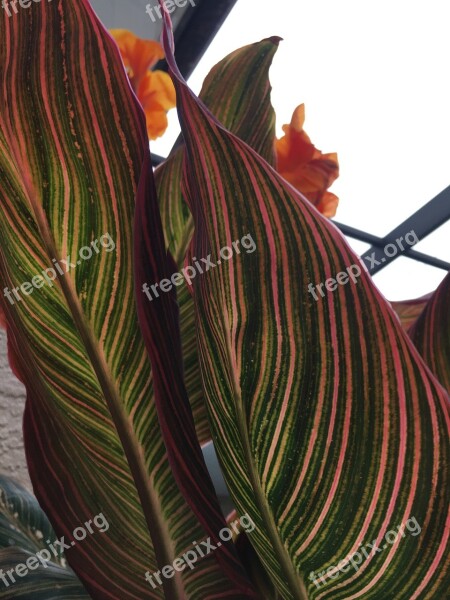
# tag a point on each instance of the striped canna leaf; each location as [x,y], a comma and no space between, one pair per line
[24,532]
[237,91]
[73,148]
[330,429]
[408,311]
[430,333]
[160,328]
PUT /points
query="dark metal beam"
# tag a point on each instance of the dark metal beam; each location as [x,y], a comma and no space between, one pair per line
[423,222]
[157,160]
[378,244]
[357,234]
[428,260]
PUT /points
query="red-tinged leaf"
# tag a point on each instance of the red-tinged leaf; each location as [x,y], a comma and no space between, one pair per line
[408,311]
[330,429]
[73,147]
[430,333]
[160,327]
[237,91]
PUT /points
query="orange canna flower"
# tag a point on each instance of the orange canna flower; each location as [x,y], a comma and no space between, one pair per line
[154,89]
[305,167]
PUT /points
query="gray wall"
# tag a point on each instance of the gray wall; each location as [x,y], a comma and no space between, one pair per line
[12,403]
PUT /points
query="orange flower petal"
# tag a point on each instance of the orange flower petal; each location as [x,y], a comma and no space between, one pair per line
[156,123]
[157,95]
[157,86]
[138,55]
[305,167]
[154,89]
[328,205]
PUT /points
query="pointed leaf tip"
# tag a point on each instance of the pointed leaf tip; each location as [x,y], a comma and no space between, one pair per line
[275,39]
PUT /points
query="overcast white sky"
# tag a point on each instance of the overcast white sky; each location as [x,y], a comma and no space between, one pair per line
[374,78]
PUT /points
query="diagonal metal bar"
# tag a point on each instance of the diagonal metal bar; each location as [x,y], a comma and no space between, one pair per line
[423,222]
[380,243]
[428,260]
[157,160]
[357,234]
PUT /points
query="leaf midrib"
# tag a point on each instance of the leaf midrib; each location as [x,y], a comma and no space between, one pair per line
[295,583]
[157,527]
